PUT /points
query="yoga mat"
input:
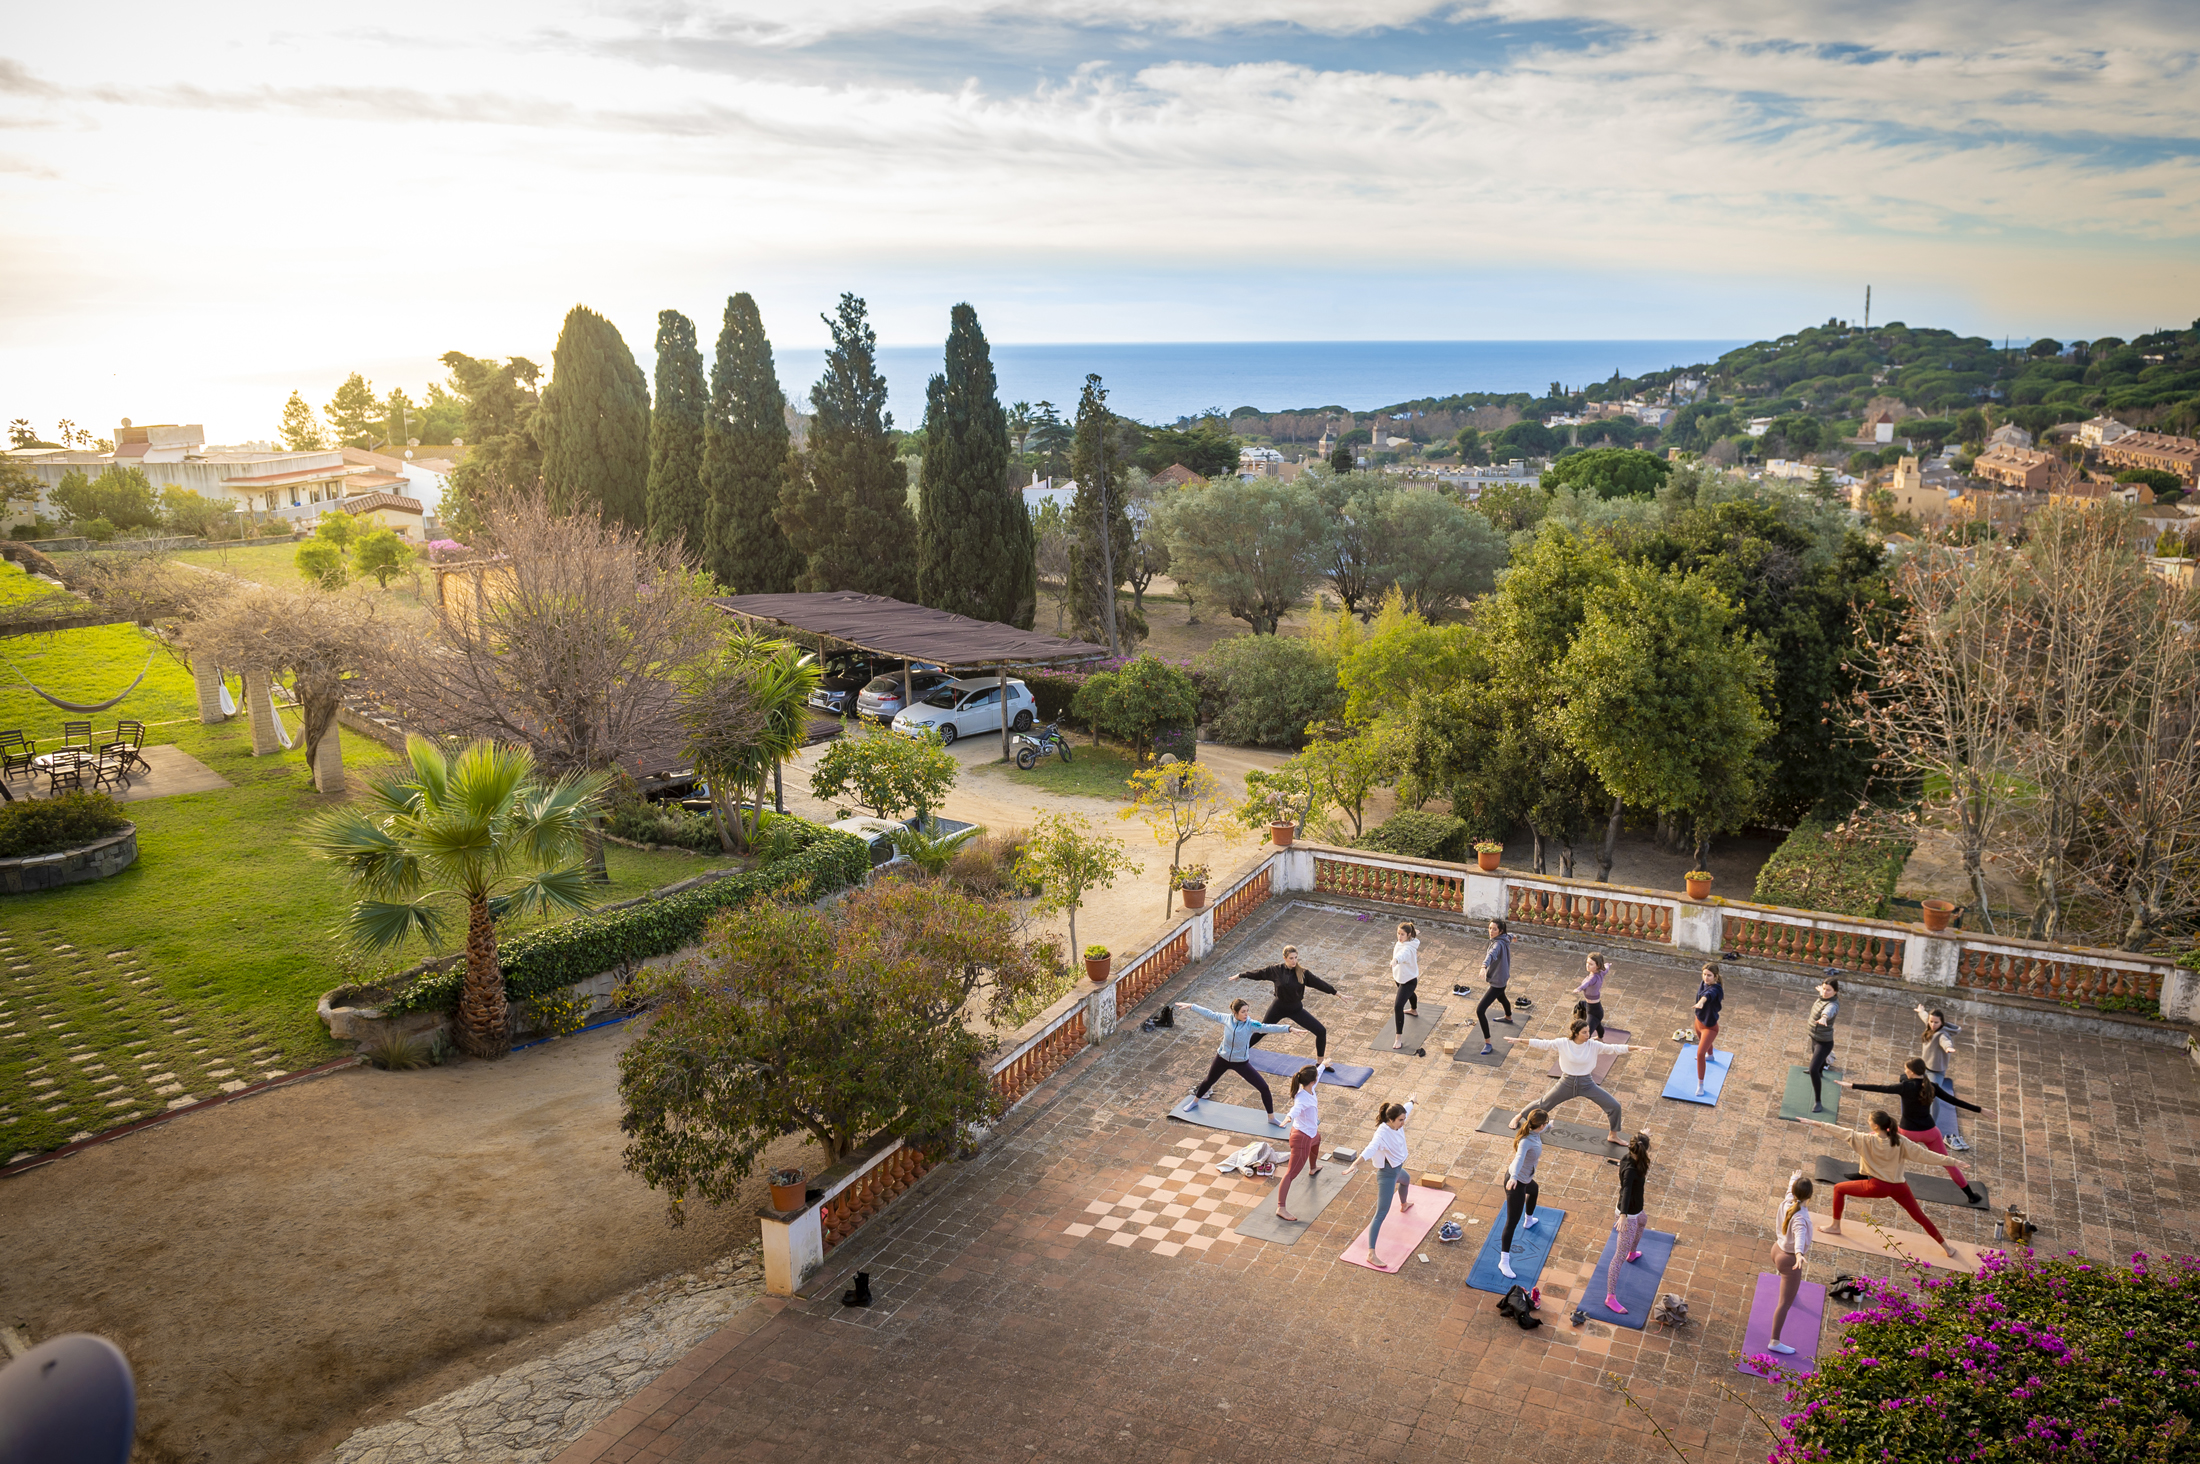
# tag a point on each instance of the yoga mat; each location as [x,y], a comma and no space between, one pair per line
[1682,1085]
[1932,1186]
[1795,1102]
[1418,1029]
[1531,1248]
[1903,1244]
[1582,1138]
[1470,1042]
[1604,1059]
[1310,1195]
[1799,1332]
[1251,1122]
[1402,1234]
[1284,1064]
[1637,1282]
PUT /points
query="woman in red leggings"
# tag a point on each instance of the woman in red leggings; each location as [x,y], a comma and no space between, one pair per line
[1880,1153]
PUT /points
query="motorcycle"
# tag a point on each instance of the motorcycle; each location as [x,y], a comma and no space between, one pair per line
[1031,746]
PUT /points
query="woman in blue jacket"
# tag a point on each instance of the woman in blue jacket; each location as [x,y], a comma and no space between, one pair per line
[1238,1031]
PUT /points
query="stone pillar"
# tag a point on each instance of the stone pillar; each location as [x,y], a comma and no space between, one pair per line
[1930,960]
[207,679]
[1202,935]
[328,760]
[1100,1014]
[1293,869]
[1698,928]
[1485,896]
[2177,999]
[794,1247]
[259,710]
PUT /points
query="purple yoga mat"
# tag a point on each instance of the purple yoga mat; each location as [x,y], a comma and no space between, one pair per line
[1801,1332]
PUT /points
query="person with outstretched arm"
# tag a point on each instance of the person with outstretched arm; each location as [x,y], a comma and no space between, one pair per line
[1292,981]
[1497,965]
[1710,996]
[1238,1030]
[1306,1136]
[1917,1093]
[1577,1065]
[1386,1150]
[1880,1152]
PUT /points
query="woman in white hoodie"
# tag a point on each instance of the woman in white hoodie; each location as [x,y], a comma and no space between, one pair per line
[1405,970]
[1577,1065]
[1386,1150]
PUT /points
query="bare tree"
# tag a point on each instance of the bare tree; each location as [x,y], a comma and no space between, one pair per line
[321,638]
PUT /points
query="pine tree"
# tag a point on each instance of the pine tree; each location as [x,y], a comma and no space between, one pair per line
[353,413]
[974,541]
[745,459]
[301,429]
[847,510]
[1102,454]
[678,508]
[594,423]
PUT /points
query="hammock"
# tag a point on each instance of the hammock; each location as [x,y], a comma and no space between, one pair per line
[70,706]
[275,712]
[229,703]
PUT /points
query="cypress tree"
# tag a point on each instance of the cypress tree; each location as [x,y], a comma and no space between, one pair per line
[678,508]
[1101,456]
[594,423]
[974,540]
[745,459]
[847,510]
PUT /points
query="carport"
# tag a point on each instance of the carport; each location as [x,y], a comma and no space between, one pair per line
[884,627]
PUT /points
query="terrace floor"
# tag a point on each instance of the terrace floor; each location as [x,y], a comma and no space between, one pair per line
[1014,1323]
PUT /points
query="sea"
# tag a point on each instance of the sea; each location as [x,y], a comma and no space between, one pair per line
[1160,383]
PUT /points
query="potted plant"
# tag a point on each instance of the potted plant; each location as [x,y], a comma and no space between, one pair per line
[1191,882]
[788,1193]
[1097,960]
[1486,854]
[1938,912]
[1699,883]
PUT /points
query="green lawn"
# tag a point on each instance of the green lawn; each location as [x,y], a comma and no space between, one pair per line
[19,587]
[199,966]
[1095,772]
[276,564]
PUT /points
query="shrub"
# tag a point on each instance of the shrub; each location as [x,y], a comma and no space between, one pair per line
[663,823]
[537,962]
[49,825]
[1263,690]
[1180,742]
[1418,835]
[986,866]
[1053,692]
[1832,869]
[2032,1358]
[1135,703]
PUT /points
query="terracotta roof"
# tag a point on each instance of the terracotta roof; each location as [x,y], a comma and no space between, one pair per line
[1176,474]
[277,480]
[369,502]
[374,482]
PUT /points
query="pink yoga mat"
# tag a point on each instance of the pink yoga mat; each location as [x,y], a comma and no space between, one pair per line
[1402,1232]
[1801,1332]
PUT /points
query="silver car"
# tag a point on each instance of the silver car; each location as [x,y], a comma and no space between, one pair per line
[963,708]
[880,700]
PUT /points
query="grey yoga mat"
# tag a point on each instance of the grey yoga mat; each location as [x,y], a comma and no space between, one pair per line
[1418,1028]
[1582,1138]
[1206,1113]
[1931,1186]
[1310,1195]
[1470,1042]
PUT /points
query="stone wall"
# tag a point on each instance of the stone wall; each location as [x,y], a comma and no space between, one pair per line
[110,855]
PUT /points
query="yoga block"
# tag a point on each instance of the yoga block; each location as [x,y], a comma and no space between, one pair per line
[1450,1048]
[1434,1180]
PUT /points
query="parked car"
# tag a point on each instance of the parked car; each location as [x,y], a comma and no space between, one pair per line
[963,708]
[879,833]
[881,699]
[846,673]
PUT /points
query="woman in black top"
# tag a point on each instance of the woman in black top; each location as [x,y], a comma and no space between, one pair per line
[1634,1168]
[1822,1014]
[1291,981]
[1708,997]
[1918,1092]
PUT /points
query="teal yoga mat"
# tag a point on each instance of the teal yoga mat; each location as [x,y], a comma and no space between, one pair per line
[1795,1103]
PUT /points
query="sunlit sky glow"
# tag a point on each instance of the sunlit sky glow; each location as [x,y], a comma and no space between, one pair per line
[208,205]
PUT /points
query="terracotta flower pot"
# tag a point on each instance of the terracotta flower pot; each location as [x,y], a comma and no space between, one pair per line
[1280,834]
[1699,889]
[1487,859]
[1096,968]
[1938,913]
[789,1197]
[1195,897]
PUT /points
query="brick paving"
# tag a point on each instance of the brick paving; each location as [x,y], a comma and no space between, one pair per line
[1008,1330]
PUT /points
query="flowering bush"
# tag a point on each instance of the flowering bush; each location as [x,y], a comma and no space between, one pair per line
[2033,1358]
[443,551]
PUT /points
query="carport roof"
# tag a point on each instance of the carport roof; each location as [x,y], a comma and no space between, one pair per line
[912,632]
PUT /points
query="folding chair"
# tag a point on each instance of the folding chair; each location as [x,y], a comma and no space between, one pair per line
[65,771]
[77,734]
[131,735]
[111,769]
[16,752]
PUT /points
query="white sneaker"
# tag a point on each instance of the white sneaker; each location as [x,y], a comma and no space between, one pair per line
[1505,1265]
[1527,1222]
[1957,1143]
[1780,1347]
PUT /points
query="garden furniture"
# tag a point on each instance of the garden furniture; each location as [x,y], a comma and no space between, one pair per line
[16,752]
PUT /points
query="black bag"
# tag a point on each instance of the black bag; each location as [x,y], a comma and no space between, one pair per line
[1516,1304]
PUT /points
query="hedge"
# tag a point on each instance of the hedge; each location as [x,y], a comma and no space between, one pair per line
[49,825]
[1418,835]
[1813,869]
[539,961]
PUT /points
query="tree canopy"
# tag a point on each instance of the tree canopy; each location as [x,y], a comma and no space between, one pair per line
[746,459]
[594,423]
[847,510]
[974,539]
[679,508]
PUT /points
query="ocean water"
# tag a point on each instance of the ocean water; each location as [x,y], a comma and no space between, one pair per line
[1161,382]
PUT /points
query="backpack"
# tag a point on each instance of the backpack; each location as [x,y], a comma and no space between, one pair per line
[1520,1307]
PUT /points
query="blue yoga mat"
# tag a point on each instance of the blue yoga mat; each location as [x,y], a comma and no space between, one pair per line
[1531,1248]
[1638,1283]
[1284,1064]
[1682,1084]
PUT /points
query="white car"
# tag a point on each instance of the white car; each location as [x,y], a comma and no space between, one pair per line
[964,708]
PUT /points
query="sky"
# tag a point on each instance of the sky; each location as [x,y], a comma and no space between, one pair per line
[203,207]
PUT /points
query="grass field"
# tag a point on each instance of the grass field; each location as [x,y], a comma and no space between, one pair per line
[1095,772]
[276,564]
[198,967]
[20,588]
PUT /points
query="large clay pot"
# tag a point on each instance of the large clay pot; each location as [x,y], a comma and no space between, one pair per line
[1280,834]
[787,1198]
[1938,913]
[1487,859]
[1096,968]
[1195,897]
[1699,889]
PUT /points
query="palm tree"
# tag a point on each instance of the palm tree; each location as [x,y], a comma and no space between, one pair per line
[745,714]
[479,828]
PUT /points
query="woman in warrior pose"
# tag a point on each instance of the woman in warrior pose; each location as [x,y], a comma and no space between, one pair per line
[1238,1031]
[1306,1136]
[1880,1152]
[1917,1094]
[1291,981]
[1577,1065]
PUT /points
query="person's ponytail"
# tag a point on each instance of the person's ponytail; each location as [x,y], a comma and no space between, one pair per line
[1530,1121]
[1305,1077]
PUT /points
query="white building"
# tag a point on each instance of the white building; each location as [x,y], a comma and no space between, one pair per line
[2101,431]
[288,485]
[425,478]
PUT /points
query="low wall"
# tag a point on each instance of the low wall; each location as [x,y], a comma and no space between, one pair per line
[107,856]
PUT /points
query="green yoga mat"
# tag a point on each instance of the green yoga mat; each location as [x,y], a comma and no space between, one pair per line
[1795,1103]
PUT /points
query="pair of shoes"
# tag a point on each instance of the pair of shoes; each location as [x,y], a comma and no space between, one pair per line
[1420,1052]
[860,1295]
[1524,1003]
[1461,991]
[1957,1143]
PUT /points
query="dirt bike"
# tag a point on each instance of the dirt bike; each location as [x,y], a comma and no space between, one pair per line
[1031,746]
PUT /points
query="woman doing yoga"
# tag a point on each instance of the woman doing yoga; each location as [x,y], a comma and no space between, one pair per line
[1497,965]
[1306,1136]
[1634,1168]
[1238,1031]
[1520,1185]
[1880,1153]
[1791,1238]
[1591,992]
[1405,970]
[1577,1065]
[1710,996]
[1386,1150]
[1917,1094]
[1935,1047]
[1822,1013]
[1291,981]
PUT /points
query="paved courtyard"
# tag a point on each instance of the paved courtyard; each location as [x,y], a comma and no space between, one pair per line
[1077,1291]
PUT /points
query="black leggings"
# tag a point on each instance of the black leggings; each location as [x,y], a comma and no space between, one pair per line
[1278,1012]
[1596,1019]
[1520,1197]
[1409,995]
[1244,1070]
[1819,1052]
[1481,1010]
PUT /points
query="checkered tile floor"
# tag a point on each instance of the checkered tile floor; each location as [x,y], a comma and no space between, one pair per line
[1184,1204]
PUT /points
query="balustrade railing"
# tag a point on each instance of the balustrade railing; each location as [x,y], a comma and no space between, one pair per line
[1038,1057]
[1598,914]
[1804,941]
[1393,884]
[2044,976]
[843,1212]
[1145,976]
[1251,893]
